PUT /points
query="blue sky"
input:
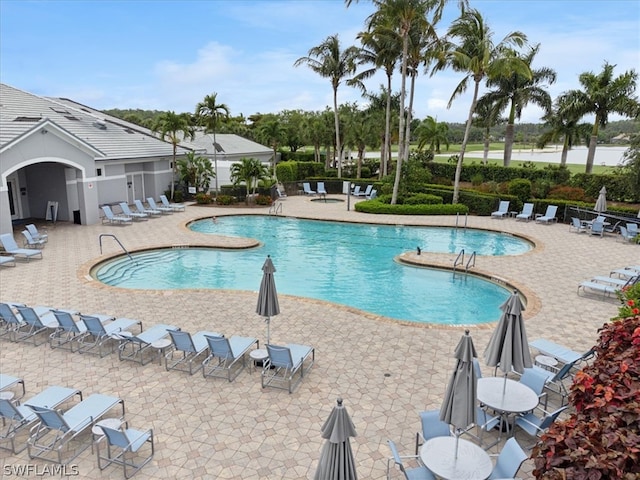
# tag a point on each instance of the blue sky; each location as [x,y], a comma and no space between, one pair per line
[167,55]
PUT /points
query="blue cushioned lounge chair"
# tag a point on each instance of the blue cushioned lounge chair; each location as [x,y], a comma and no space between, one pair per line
[36,234]
[527,212]
[187,351]
[16,417]
[113,219]
[503,210]
[176,207]
[35,322]
[306,188]
[284,363]
[58,437]
[99,335]
[142,209]
[135,215]
[152,203]
[549,216]
[30,242]
[225,354]
[135,347]
[11,247]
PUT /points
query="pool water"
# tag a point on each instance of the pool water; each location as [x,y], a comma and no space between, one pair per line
[349,264]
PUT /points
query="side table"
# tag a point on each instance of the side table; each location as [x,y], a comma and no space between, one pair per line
[161,345]
[546,362]
[258,356]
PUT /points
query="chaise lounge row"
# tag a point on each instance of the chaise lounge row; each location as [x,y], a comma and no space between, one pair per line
[610,286]
[211,352]
[128,215]
[60,431]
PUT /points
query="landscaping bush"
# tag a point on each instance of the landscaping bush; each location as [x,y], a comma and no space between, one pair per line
[422,199]
[520,188]
[225,200]
[203,198]
[377,207]
[477,179]
[262,200]
[566,193]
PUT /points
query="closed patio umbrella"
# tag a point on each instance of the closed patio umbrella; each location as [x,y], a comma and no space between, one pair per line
[508,347]
[267,295]
[601,203]
[459,405]
[336,459]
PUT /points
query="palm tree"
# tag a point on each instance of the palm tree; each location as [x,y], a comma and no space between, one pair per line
[433,133]
[209,112]
[563,124]
[272,132]
[601,95]
[515,91]
[170,125]
[476,55]
[329,61]
[486,117]
[196,171]
[250,171]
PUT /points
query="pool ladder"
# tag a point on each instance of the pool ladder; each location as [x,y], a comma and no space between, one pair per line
[460,261]
[116,239]
[466,216]
[275,208]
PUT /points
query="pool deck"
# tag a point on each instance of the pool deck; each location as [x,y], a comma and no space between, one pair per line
[386,371]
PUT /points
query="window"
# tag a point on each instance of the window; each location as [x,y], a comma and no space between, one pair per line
[99,172]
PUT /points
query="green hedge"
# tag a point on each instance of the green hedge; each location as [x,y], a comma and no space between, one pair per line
[377,207]
[499,174]
[619,188]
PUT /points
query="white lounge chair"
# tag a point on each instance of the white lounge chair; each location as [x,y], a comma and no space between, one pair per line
[549,216]
[112,218]
[7,260]
[135,215]
[11,247]
[30,242]
[142,209]
[306,188]
[37,234]
[320,188]
[503,210]
[177,207]
[527,212]
[153,205]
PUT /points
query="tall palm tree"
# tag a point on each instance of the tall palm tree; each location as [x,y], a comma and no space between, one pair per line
[209,113]
[478,57]
[485,117]
[271,131]
[515,91]
[433,133]
[564,124]
[329,61]
[601,95]
[171,126]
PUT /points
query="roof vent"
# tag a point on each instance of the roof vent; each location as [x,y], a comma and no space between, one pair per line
[71,117]
[27,119]
[100,125]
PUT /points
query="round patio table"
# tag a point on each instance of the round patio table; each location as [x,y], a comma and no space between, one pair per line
[472,462]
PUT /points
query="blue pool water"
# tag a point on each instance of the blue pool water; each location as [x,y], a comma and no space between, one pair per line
[349,264]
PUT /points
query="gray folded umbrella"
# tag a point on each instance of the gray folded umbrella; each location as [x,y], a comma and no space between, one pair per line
[268,305]
[336,460]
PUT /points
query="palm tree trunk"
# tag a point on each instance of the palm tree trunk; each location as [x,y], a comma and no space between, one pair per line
[487,143]
[565,152]
[215,159]
[337,124]
[387,132]
[456,182]
[173,170]
[407,135]
[591,154]
[508,136]
[401,139]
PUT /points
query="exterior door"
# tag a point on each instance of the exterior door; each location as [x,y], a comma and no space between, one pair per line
[135,190]
[15,203]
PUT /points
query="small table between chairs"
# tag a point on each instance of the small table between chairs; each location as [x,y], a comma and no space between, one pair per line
[506,398]
[259,355]
[472,463]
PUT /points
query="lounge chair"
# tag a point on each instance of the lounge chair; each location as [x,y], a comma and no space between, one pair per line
[536,426]
[306,188]
[549,216]
[70,330]
[605,288]
[176,207]
[37,235]
[16,417]
[154,206]
[135,347]
[11,323]
[626,272]
[365,193]
[284,363]
[225,354]
[98,335]
[554,380]
[7,382]
[632,229]
[30,242]
[597,228]
[135,215]
[432,427]
[60,433]
[320,188]
[187,350]
[149,211]
[372,195]
[503,210]
[281,194]
[35,322]
[356,191]
[625,235]
[509,461]
[577,226]
[11,247]
[123,448]
[559,352]
[527,212]
[8,260]
[419,472]
[111,218]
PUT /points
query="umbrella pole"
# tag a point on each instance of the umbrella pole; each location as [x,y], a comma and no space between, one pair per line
[268,320]
[504,385]
[455,457]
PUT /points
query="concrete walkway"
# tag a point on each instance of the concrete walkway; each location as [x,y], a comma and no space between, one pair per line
[386,371]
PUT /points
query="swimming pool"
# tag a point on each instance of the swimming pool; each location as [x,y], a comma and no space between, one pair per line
[344,263]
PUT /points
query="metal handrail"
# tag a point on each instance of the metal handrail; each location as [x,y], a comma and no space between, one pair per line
[116,239]
[466,217]
[459,260]
[275,208]
[472,259]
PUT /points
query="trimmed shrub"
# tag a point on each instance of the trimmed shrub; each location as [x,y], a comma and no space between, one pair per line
[566,193]
[520,188]
[203,198]
[262,200]
[477,179]
[225,200]
[377,207]
[422,199]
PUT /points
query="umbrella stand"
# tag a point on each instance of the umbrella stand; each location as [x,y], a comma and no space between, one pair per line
[268,322]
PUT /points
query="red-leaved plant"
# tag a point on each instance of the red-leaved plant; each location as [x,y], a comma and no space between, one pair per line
[601,439]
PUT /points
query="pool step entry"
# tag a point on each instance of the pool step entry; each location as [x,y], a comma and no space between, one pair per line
[275,208]
[116,239]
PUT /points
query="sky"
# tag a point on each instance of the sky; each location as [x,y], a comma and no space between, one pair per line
[168,55]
